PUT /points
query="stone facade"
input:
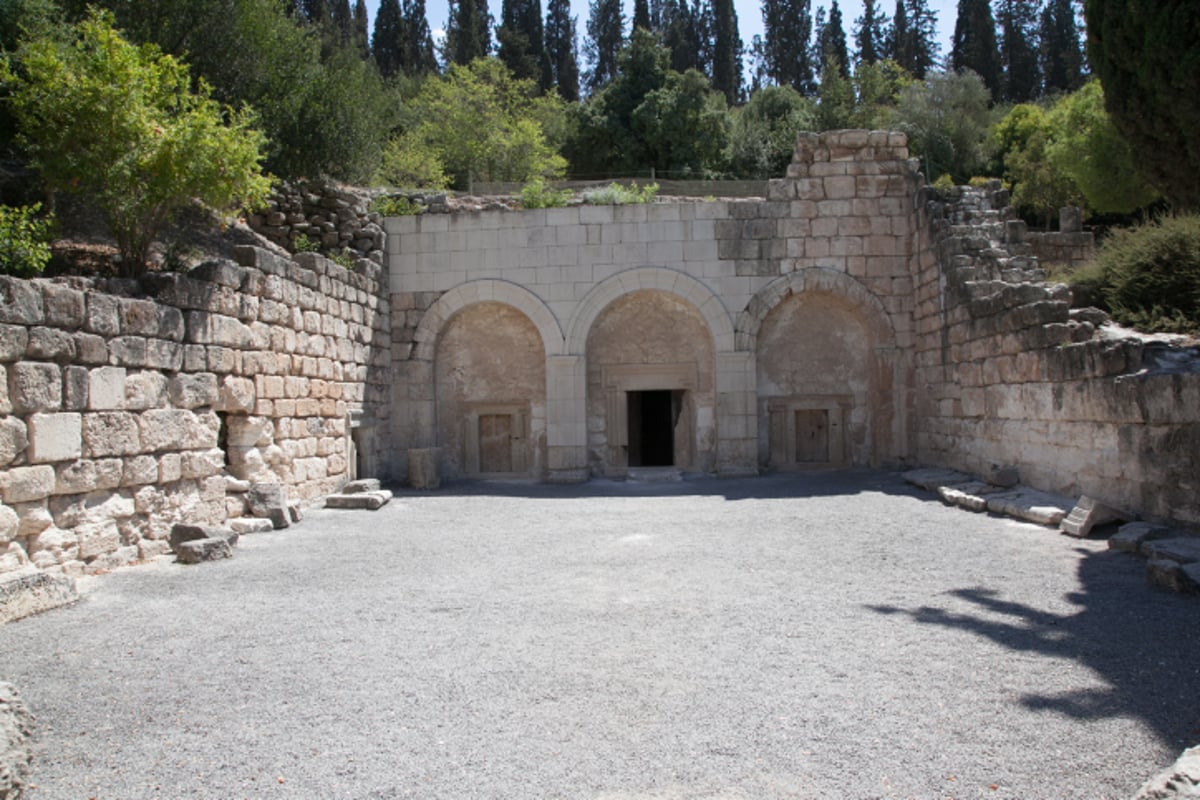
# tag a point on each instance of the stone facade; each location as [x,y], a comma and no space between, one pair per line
[126,407]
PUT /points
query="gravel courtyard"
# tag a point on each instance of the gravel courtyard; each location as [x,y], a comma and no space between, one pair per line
[835,635]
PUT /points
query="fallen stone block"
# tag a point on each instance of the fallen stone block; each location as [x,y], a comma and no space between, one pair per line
[16,735]
[197,550]
[360,486]
[25,593]
[1087,514]
[970,495]
[1181,549]
[371,501]
[1002,475]
[269,500]
[931,479]
[295,512]
[185,532]
[1171,575]
[1030,505]
[245,525]
[1178,781]
[1130,536]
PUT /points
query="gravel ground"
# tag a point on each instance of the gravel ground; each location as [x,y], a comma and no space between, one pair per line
[813,636]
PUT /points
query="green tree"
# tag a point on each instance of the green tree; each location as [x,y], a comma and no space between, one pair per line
[683,126]
[641,15]
[1061,57]
[923,45]
[606,31]
[836,103]
[468,31]
[764,130]
[727,51]
[1021,140]
[947,120]
[974,45]
[417,56]
[1019,49]
[787,28]
[480,122]
[1146,56]
[562,50]
[343,20]
[387,40]
[359,32]
[121,123]
[869,34]
[522,44]
[1086,146]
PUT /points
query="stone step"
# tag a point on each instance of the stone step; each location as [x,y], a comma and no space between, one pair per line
[196,551]
[371,501]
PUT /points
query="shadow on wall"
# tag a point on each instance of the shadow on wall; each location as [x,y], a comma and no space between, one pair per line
[1140,641]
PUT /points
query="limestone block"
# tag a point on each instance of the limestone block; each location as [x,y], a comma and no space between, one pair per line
[193,390]
[971,496]
[269,500]
[102,316]
[164,354]
[152,548]
[251,525]
[186,532]
[166,429]
[13,439]
[1179,781]
[34,518]
[14,339]
[34,386]
[97,538]
[13,558]
[1180,549]
[90,349]
[111,433]
[369,500]
[64,306]
[1087,514]
[55,437]
[75,388]
[127,351]
[236,395]
[361,485]
[20,301]
[201,463]
[145,389]
[139,470]
[1131,535]
[201,550]
[54,546]
[1173,576]
[23,484]
[50,344]
[76,477]
[10,523]
[23,595]
[932,478]
[106,389]
[1031,505]
[72,511]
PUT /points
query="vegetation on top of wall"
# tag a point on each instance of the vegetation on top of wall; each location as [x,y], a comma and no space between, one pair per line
[538,194]
[24,240]
[1148,277]
[617,195]
[396,206]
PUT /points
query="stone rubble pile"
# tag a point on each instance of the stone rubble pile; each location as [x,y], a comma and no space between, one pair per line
[328,215]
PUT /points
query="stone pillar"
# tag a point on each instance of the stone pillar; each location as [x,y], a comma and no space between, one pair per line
[1070,219]
[737,414]
[566,419]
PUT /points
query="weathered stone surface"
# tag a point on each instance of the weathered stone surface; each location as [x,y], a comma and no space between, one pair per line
[111,433]
[55,437]
[145,389]
[152,548]
[20,301]
[31,593]
[16,743]
[193,391]
[237,395]
[14,339]
[50,344]
[932,478]
[369,500]
[64,306]
[97,538]
[10,523]
[34,386]
[269,500]
[1173,576]
[14,438]
[53,546]
[186,532]
[295,512]
[113,559]
[22,484]
[965,495]
[106,390]
[1129,537]
[361,485]
[1179,781]
[1002,475]
[13,558]
[200,550]
[75,388]
[423,468]
[1031,505]
[1181,549]
[251,525]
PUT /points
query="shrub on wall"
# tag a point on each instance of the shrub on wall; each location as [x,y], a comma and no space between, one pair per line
[1150,275]
[24,240]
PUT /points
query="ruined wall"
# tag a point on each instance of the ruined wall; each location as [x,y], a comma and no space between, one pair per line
[331,217]
[127,406]
[1008,376]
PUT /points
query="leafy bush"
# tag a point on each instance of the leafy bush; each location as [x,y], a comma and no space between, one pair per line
[537,194]
[24,240]
[410,162]
[121,123]
[303,244]
[396,206]
[617,195]
[1150,275]
[344,258]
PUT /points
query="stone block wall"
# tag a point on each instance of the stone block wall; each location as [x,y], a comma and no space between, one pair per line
[331,216]
[127,406]
[1006,375]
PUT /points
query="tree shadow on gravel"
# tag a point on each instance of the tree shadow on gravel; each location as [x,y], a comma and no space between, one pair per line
[1141,640]
[817,483]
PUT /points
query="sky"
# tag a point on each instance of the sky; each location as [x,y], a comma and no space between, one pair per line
[749,16]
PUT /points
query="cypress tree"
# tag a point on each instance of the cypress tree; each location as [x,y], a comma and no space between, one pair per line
[317,11]
[869,35]
[561,49]
[606,30]
[678,36]
[1061,58]
[831,42]
[522,45]
[387,38]
[727,51]
[1018,49]
[359,29]
[922,31]
[787,26]
[468,31]
[975,44]
[899,40]
[417,56]
[343,19]
[641,15]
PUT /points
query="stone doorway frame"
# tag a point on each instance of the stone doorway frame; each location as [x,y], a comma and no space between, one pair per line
[618,380]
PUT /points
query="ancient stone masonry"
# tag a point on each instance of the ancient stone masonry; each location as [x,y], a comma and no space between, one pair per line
[329,216]
[1008,374]
[126,407]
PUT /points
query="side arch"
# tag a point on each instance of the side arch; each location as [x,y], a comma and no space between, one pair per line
[817,280]
[483,291]
[677,283]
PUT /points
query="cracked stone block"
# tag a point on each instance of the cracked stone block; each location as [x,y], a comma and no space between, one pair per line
[1176,782]
[199,550]
[269,500]
[1087,514]
[1130,536]
[29,593]
[182,532]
